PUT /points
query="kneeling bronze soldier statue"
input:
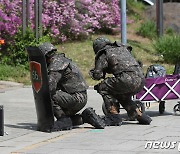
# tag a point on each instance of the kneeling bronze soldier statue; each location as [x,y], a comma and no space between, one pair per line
[127,80]
[68,91]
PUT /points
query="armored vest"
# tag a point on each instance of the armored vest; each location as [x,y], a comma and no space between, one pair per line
[72,80]
[120,59]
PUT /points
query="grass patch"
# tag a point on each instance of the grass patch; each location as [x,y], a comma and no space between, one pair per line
[135,9]
[16,74]
[169,47]
[81,52]
[147,29]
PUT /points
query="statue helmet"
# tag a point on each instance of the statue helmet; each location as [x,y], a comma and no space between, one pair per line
[47,48]
[100,43]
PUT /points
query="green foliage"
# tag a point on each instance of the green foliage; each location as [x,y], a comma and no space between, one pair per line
[18,73]
[135,9]
[147,29]
[135,4]
[169,47]
[170,31]
[15,51]
[9,71]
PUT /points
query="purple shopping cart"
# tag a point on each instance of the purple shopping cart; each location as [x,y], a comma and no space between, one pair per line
[159,90]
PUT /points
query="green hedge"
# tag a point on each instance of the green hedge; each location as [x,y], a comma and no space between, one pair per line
[147,29]
[169,47]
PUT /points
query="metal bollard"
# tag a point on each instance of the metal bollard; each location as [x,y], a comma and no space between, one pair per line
[1,120]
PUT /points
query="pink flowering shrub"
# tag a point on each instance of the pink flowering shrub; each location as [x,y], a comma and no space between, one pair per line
[101,14]
[9,17]
[62,19]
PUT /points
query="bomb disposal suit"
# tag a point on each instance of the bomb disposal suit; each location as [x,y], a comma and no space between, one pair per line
[127,80]
[68,89]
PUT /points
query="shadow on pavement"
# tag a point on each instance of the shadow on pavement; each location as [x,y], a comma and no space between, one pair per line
[29,126]
[157,114]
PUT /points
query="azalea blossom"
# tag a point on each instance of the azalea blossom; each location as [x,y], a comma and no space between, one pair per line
[67,18]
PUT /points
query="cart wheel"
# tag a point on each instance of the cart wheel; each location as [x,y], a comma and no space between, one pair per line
[140,105]
[161,107]
[177,108]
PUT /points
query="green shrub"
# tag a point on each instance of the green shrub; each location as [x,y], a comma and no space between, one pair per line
[14,52]
[170,31]
[11,73]
[147,29]
[169,47]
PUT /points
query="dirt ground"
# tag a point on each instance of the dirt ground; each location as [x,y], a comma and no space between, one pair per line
[171,15]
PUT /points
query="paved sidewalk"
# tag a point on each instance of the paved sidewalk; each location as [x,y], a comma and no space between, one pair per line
[130,138]
[8,85]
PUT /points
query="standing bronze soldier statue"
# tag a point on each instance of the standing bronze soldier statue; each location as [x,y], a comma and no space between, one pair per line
[68,91]
[127,80]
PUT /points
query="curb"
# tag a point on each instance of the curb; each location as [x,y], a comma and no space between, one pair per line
[8,85]
[11,84]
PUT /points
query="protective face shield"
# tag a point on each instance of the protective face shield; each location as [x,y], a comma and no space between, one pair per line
[100,43]
[47,48]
